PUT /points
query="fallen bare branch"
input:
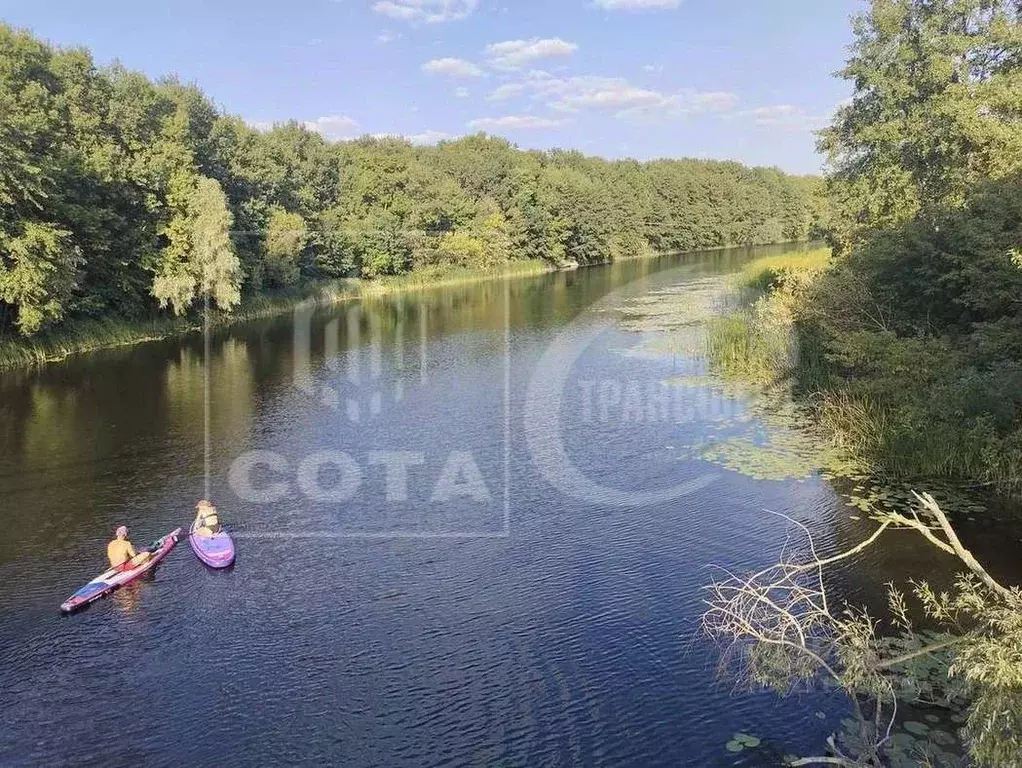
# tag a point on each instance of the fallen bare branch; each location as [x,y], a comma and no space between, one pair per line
[781,630]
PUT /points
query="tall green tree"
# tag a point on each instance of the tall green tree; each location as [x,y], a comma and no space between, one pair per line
[287,236]
[38,273]
[106,200]
[937,107]
[39,259]
[201,260]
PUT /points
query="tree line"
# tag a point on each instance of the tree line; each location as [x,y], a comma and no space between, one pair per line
[125,197]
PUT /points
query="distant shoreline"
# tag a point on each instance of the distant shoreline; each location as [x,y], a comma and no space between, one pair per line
[95,335]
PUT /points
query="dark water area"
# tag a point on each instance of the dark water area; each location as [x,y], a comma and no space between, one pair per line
[470,531]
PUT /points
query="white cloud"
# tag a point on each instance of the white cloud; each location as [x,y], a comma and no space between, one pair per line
[684,103]
[386,37]
[774,114]
[513,122]
[429,11]
[512,54]
[626,100]
[333,127]
[785,117]
[604,93]
[636,5]
[462,93]
[506,91]
[430,137]
[653,68]
[451,68]
[708,101]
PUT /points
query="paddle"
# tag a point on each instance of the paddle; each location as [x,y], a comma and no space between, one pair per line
[151,548]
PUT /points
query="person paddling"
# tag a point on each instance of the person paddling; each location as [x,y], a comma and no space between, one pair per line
[207,522]
[122,554]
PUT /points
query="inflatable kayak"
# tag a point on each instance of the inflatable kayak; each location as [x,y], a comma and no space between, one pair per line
[216,551]
[112,579]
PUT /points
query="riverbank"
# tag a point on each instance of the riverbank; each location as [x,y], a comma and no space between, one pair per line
[882,400]
[92,335]
[755,341]
[96,334]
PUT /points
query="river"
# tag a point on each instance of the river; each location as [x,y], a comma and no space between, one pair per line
[472,523]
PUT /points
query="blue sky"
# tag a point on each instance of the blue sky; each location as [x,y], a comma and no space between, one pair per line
[738,79]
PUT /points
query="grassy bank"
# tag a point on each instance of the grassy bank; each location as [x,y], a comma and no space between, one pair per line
[908,408]
[766,272]
[93,334]
[757,342]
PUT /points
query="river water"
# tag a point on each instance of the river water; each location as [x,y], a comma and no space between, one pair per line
[472,523]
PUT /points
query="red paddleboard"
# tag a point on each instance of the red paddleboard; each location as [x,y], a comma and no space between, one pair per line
[112,579]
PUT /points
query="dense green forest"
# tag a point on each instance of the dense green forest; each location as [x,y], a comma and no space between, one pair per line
[123,197]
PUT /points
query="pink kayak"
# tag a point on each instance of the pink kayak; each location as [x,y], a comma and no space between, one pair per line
[216,551]
[112,579]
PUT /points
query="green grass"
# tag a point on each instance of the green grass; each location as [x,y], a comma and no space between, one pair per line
[756,342]
[741,347]
[766,273]
[93,334]
[913,434]
[442,276]
[85,336]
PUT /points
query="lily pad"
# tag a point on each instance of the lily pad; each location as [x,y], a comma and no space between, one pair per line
[903,741]
[914,726]
[734,746]
[943,738]
[747,740]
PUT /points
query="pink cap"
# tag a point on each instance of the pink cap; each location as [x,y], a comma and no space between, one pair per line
[121,531]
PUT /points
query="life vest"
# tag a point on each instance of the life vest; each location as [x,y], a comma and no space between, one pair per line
[210,520]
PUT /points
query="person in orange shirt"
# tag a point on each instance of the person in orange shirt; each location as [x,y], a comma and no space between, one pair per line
[122,554]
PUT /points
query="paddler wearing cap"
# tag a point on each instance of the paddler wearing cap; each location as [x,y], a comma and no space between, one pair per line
[122,554]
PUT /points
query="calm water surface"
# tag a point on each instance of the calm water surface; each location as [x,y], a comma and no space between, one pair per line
[471,531]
